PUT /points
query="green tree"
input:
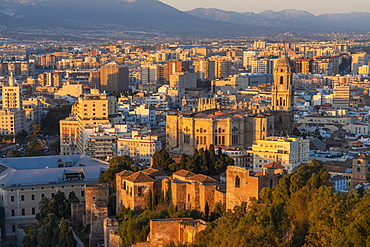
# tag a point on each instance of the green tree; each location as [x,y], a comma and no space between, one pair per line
[21,137]
[65,235]
[14,153]
[34,148]
[50,124]
[116,165]
[55,146]
[162,159]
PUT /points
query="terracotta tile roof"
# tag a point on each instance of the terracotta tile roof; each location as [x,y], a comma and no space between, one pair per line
[124,173]
[202,178]
[274,165]
[155,172]
[184,173]
[139,177]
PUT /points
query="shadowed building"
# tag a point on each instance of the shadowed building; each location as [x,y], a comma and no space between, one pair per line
[114,77]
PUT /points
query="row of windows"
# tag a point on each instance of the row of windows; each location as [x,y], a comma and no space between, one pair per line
[33,212]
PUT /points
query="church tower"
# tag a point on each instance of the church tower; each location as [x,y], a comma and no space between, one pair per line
[282,97]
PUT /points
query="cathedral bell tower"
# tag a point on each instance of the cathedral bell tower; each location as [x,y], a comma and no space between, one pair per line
[282,97]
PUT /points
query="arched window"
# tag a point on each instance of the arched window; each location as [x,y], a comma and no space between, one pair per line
[358,162]
[237,182]
[358,169]
[281,79]
[281,101]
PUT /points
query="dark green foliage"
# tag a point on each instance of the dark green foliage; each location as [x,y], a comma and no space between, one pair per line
[65,235]
[116,165]
[303,210]
[202,161]
[162,159]
[34,147]
[46,231]
[112,204]
[59,205]
[21,137]
[55,147]
[50,124]
[14,153]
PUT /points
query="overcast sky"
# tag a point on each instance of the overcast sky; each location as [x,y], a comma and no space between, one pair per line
[313,6]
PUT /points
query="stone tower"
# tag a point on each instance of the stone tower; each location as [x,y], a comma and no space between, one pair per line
[282,97]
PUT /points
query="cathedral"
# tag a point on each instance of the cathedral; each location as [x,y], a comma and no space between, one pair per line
[238,128]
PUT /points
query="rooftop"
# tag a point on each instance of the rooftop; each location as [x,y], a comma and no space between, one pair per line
[46,170]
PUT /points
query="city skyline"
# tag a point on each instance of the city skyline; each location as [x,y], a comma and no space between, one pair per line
[315,7]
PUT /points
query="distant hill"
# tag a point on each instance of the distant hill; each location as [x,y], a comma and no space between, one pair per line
[138,17]
[112,14]
[290,18]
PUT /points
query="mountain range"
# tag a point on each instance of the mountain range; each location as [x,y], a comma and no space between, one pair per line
[290,19]
[99,16]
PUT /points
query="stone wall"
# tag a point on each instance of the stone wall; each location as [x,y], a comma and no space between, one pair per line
[99,212]
[92,192]
[243,184]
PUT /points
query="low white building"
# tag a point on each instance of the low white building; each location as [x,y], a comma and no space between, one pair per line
[25,181]
[139,146]
[288,151]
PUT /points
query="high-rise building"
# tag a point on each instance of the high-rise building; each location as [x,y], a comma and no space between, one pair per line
[12,95]
[114,77]
[248,58]
[282,97]
[341,95]
[177,66]
[182,80]
[359,60]
[205,69]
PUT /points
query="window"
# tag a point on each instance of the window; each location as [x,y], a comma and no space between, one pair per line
[13,228]
[237,182]
[12,198]
[358,169]
[13,212]
[42,196]
[23,211]
[33,197]
[33,211]
[22,198]
[281,80]
[82,193]
[188,197]
[139,191]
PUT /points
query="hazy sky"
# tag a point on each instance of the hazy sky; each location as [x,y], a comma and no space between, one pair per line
[313,6]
